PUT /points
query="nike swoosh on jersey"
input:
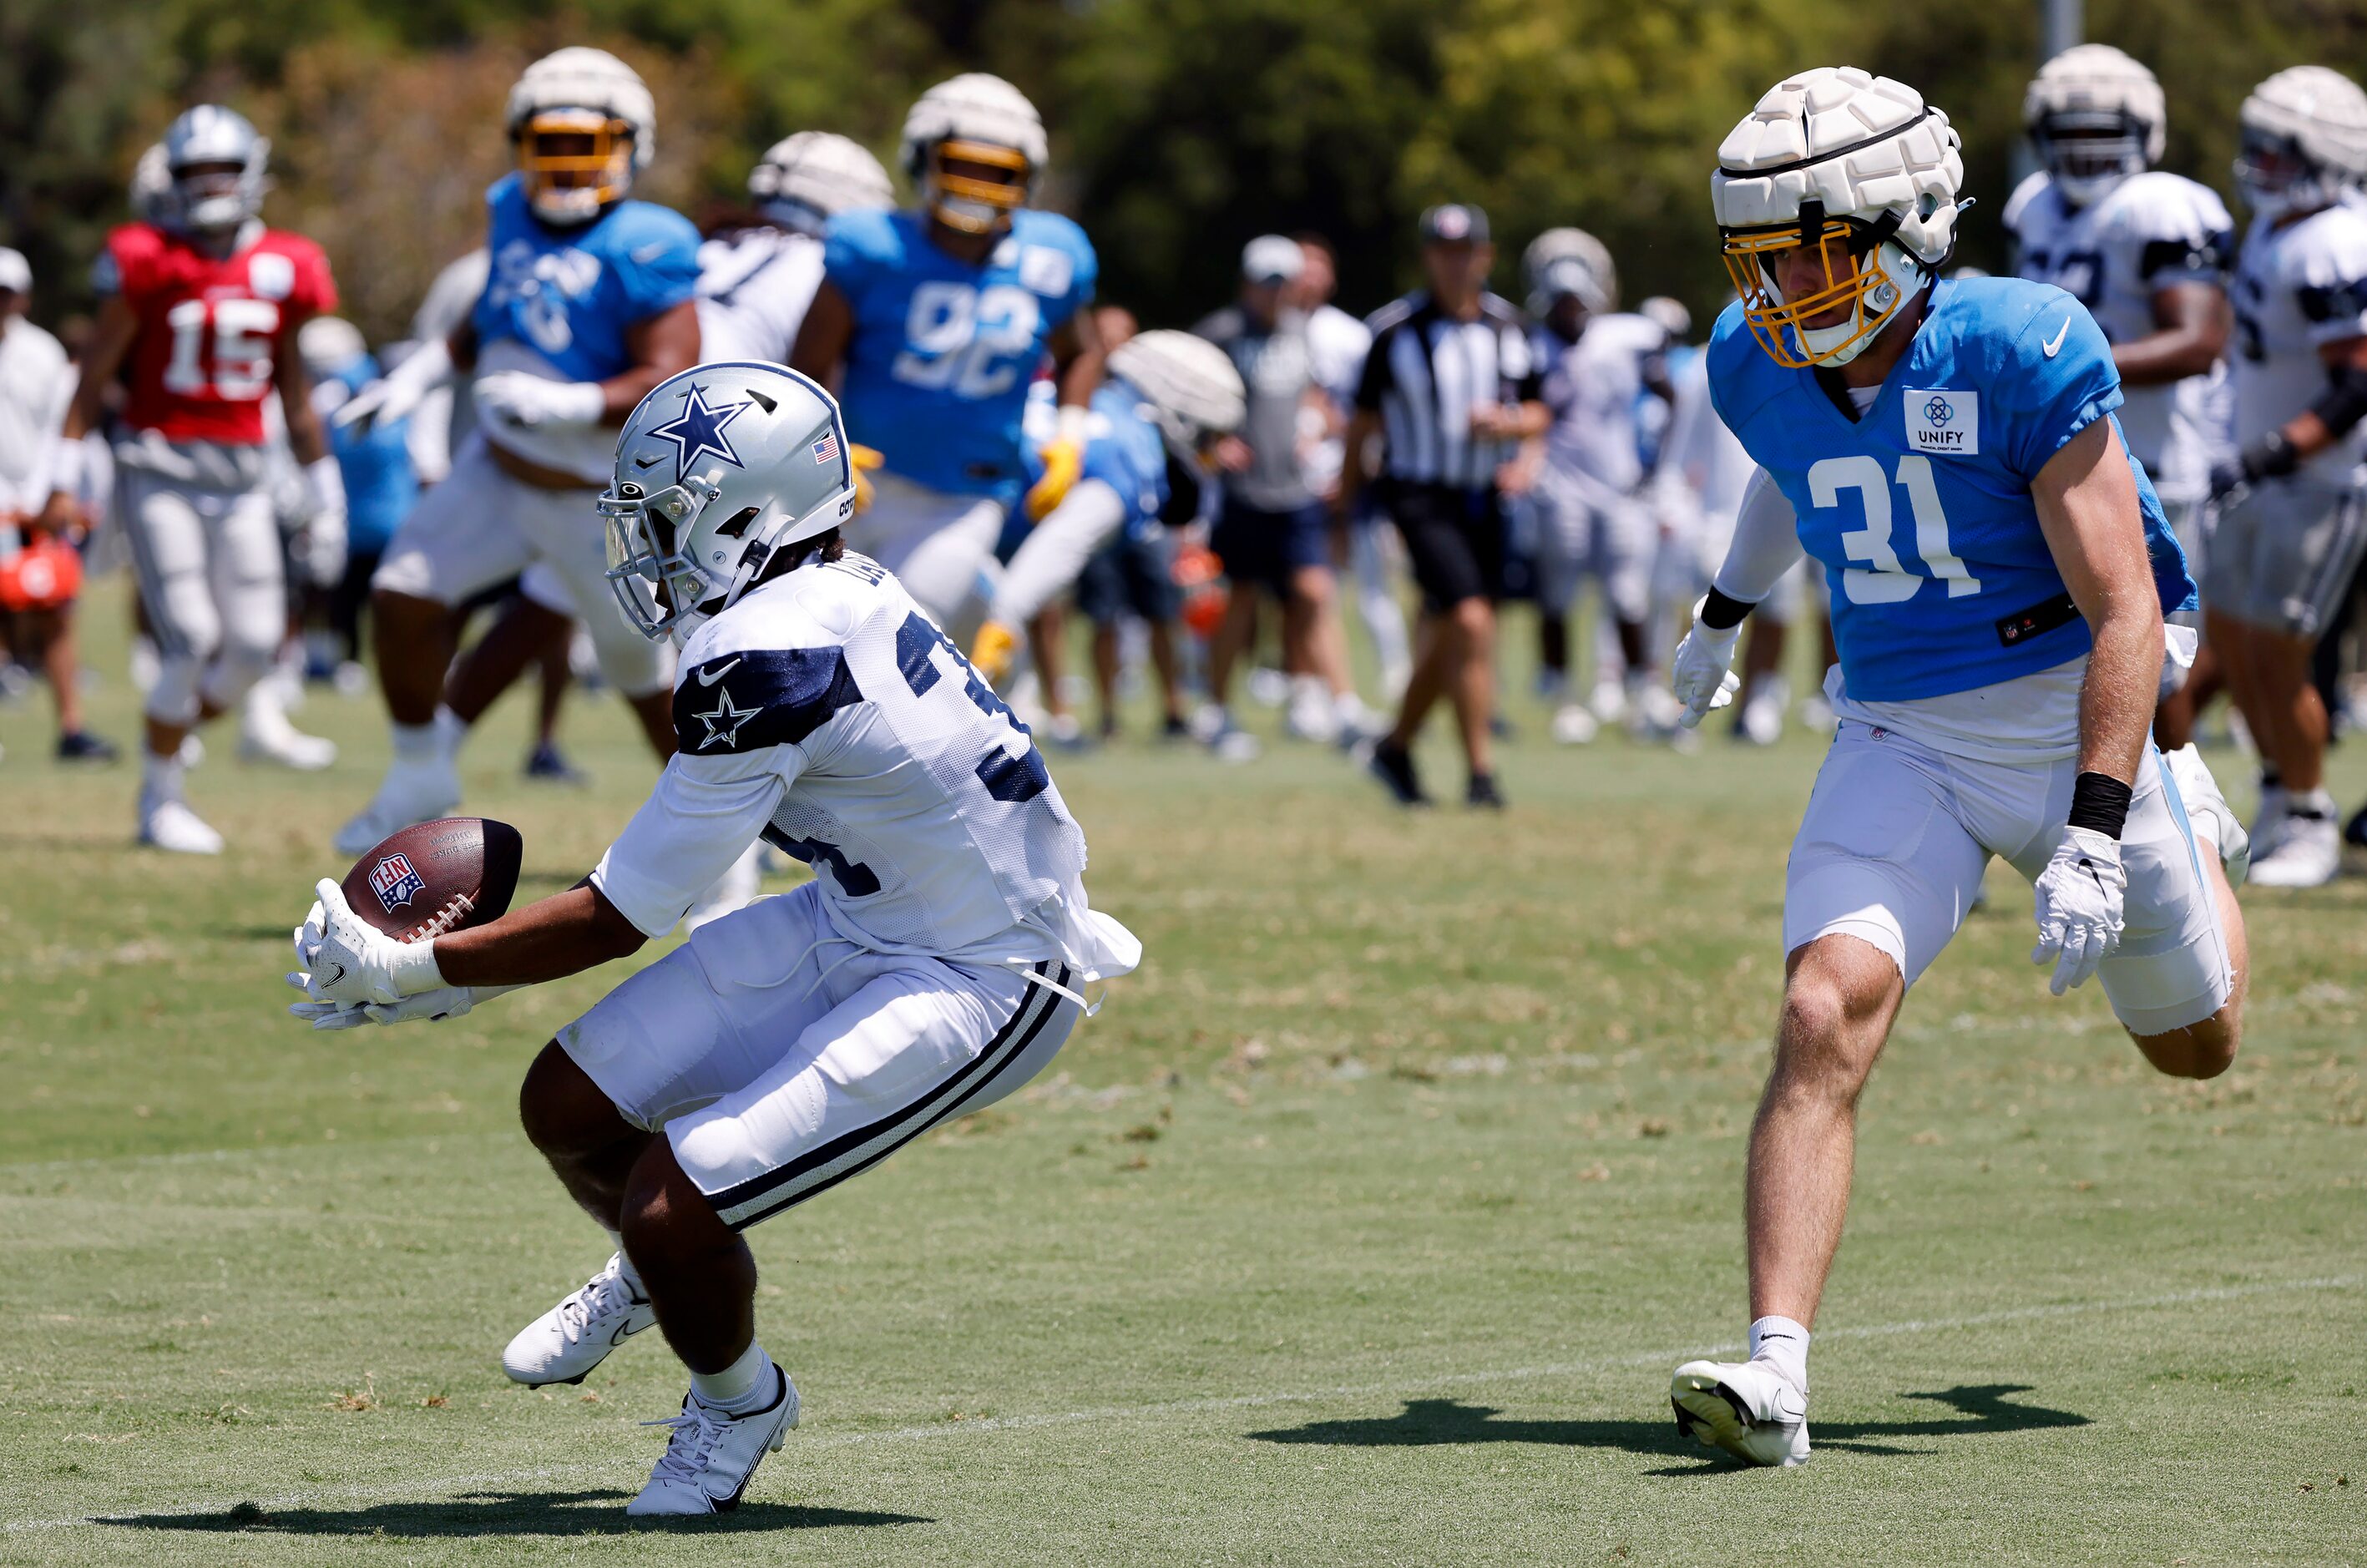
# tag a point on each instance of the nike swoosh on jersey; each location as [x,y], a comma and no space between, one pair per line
[707,677]
[2056,343]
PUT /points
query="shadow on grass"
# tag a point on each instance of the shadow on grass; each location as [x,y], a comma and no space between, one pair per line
[500,1514]
[1978,1409]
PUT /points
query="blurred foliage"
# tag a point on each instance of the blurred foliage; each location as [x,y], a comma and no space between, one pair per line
[1180,127]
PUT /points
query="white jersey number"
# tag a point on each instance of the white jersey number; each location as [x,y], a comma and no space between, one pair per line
[971,342]
[1883,581]
[241,332]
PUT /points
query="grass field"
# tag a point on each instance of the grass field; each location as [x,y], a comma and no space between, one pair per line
[1363,1226]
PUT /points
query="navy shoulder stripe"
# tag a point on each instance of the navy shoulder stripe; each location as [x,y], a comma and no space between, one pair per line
[746,701]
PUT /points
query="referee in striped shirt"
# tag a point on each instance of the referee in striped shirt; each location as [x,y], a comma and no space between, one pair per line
[1451,389]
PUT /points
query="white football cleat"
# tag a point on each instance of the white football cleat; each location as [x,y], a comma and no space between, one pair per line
[2208,812]
[413,792]
[576,1335]
[1574,724]
[1745,1407]
[265,735]
[712,1454]
[170,825]
[1761,724]
[2308,852]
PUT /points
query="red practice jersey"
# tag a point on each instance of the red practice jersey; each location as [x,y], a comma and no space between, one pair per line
[201,362]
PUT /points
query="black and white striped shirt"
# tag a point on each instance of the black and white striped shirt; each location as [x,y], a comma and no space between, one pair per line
[1425,374]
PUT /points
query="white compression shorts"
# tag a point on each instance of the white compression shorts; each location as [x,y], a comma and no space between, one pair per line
[480,525]
[211,569]
[779,1058]
[940,546]
[1053,556]
[1896,836]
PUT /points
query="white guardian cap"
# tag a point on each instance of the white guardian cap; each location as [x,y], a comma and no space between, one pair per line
[214,162]
[971,123]
[584,124]
[1195,393]
[2304,141]
[2096,117]
[718,467]
[803,179]
[1570,263]
[1860,168]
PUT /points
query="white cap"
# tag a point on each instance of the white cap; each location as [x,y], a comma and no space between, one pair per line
[16,272]
[1271,259]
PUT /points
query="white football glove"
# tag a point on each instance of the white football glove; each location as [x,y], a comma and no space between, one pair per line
[346,960]
[515,397]
[393,396]
[445,1001]
[323,549]
[2079,898]
[1702,672]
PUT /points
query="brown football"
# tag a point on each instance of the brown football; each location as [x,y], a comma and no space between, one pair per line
[437,877]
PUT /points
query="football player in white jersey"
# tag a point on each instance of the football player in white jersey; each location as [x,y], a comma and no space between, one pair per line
[932,966]
[2290,528]
[2147,253]
[1598,362]
[756,281]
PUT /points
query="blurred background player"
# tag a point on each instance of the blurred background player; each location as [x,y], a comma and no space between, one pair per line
[382,482]
[1451,388]
[41,571]
[1597,364]
[930,322]
[1272,533]
[588,303]
[2289,528]
[755,279]
[201,313]
[2147,253]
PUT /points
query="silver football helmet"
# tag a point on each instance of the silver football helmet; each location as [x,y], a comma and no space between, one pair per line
[2096,117]
[584,124]
[720,468]
[214,160]
[2304,141]
[1570,263]
[803,179]
[1192,391]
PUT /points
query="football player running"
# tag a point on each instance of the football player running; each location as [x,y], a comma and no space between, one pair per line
[200,306]
[755,282]
[2290,526]
[2147,253]
[932,966]
[588,305]
[2000,568]
[930,322]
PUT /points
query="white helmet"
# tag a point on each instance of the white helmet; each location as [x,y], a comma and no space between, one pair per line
[2096,117]
[152,187]
[214,163]
[718,467]
[803,179]
[329,344]
[981,119]
[1669,314]
[1193,391]
[1570,262]
[2304,141]
[1835,157]
[603,110]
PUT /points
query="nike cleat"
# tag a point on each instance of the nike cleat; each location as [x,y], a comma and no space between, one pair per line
[565,1342]
[1745,1407]
[712,1454]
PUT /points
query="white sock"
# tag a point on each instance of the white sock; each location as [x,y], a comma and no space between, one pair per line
[451,730]
[743,1386]
[415,743]
[160,777]
[1783,1345]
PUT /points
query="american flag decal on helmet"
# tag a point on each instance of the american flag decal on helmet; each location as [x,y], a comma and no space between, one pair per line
[826,449]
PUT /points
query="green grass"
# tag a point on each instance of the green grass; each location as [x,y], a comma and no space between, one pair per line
[1365,1225]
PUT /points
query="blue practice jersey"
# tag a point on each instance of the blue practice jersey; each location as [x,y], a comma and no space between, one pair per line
[943,351]
[1919,510]
[375,463]
[570,294]
[1125,451]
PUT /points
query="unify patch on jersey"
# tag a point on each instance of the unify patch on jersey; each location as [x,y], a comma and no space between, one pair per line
[1943,423]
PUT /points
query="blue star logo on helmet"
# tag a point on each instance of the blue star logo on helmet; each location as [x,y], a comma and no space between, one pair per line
[699,429]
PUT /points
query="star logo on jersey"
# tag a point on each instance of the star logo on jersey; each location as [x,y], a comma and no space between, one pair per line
[725,720]
[698,430]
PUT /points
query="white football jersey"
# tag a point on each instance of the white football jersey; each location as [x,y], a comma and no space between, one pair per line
[754,288]
[1699,451]
[2297,289]
[2151,231]
[1593,387]
[36,383]
[826,712]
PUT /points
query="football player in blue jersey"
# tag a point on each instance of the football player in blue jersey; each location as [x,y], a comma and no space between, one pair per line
[931,322]
[1947,452]
[588,305]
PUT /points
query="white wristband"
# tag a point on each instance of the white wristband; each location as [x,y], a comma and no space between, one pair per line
[413,968]
[328,482]
[1072,426]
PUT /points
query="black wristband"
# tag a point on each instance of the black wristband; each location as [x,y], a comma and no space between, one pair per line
[2343,403]
[1720,613]
[2098,802]
[2271,457]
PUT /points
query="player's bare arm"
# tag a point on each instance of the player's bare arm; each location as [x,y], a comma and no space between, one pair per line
[2086,500]
[2191,321]
[110,340]
[662,345]
[548,939]
[306,437]
[823,335]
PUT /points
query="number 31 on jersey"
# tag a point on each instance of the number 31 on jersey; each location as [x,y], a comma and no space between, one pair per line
[1885,580]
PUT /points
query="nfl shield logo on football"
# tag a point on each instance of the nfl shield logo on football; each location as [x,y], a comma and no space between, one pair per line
[395,883]
[1944,423]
